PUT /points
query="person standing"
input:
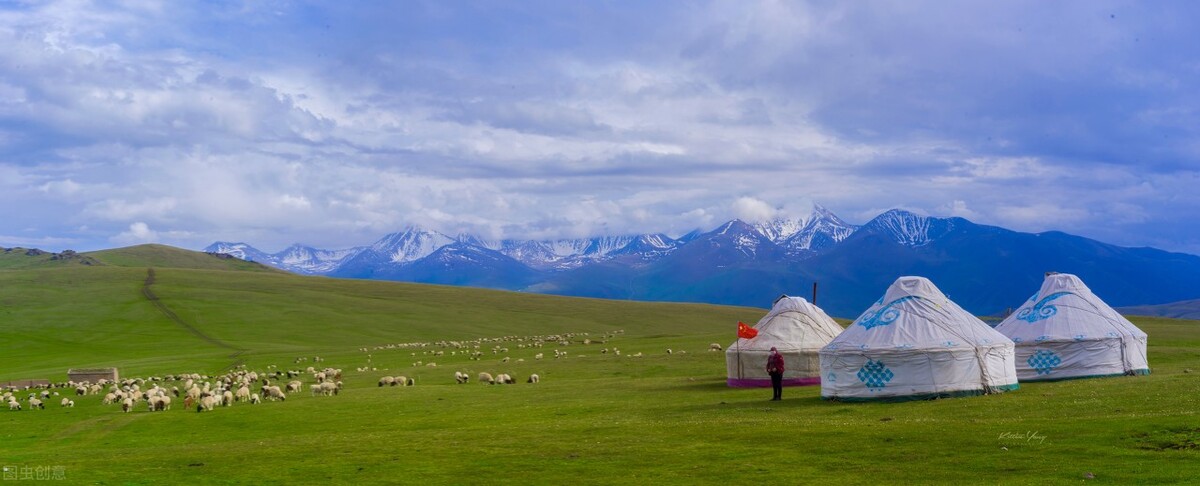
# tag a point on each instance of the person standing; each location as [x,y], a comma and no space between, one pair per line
[775,369]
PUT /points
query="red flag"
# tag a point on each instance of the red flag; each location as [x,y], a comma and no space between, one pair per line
[746,332]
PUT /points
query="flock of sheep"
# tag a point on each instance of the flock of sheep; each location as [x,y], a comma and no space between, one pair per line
[205,393]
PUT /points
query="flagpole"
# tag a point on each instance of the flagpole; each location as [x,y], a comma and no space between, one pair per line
[738,345]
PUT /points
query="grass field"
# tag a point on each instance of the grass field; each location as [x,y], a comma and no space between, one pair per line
[595,417]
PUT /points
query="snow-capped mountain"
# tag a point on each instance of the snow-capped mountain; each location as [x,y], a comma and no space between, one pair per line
[821,230]
[309,260]
[984,268]
[780,229]
[241,251]
[909,229]
[414,243]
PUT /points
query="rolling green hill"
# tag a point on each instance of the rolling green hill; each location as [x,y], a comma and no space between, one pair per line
[643,416]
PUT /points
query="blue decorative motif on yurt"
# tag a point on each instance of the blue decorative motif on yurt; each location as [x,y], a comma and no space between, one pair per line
[1040,310]
[884,316]
[1044,361]
[875,375]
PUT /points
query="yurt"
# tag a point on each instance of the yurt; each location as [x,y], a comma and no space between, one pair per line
[797,329]
[1065,331]
[915,343]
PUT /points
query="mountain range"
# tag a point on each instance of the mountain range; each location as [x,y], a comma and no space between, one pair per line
[985,269]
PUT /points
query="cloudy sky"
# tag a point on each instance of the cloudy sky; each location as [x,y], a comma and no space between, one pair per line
[334,123]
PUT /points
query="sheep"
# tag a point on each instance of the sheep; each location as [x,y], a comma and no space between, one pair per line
[504,379]
[714,347]
[485,377]
[227,398]
[35,403]
[110,398]
[66,401]
[404,381]
[294,386]
[329,388]
[242,394]
[81,390]
[188,402]
[537,356]
[460,377]
[274,393]
[388,381]
[254,399]
[14,405]
[127,405]
[668,350]
[534,378]
[207,403]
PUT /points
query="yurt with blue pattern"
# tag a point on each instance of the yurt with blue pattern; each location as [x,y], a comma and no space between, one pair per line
[915,343]
[1065,331]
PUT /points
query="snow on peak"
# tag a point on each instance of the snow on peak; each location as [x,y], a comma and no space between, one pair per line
[412,244]
[909,228]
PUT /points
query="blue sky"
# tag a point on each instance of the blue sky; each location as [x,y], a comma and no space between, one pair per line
[333,123]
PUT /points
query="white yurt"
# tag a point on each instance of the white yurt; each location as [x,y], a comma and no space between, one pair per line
[915,343]
[797,329]
[1065,331]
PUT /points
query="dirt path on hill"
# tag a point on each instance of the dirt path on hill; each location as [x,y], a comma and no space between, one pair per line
[236,356]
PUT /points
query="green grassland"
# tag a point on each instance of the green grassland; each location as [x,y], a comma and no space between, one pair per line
[595,417]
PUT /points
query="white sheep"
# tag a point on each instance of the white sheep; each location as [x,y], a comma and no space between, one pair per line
[460,377]
[537,356]
[485,377]
[534,378]
[14,405]
[242,394]
[404,381]
[127,405]
[255,399]
[227,398]
[714,347]
[387,381]
[66,401]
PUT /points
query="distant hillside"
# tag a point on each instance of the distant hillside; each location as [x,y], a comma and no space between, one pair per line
[13,258]
[1188,309]
[162,256]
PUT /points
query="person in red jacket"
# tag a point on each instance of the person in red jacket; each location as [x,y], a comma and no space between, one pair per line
[775,369]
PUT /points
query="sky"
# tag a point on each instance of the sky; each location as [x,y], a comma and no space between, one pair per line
[332,124]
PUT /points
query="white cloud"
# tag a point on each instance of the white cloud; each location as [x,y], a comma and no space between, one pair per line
[752,210]
[138,233]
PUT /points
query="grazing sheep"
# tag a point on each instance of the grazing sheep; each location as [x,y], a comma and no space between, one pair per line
[388,381]
[14,405]
[534,378]
[504,379]
[207,404]
[537,356]
[188,402]
[460,377]
[65,401]
[242,394]
[714,347]
[35,403]
[81,390]
[226,398]
[294,386]
[404,381]
[329,388]
[274,393]
[668,350]
[254,399]
[127,405]
[486,377]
